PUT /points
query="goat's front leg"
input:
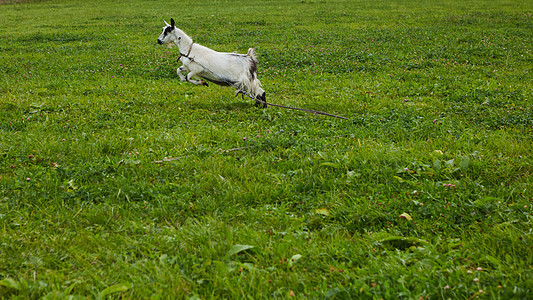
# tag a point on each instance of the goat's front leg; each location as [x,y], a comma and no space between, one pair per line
[237,92]
[189,76]
[181,70]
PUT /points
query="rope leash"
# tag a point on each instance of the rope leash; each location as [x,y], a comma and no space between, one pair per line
[307,110]
[297,108]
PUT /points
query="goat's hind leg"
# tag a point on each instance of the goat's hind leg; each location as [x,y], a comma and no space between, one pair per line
[189,76]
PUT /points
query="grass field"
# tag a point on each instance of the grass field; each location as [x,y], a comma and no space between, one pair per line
[119,181]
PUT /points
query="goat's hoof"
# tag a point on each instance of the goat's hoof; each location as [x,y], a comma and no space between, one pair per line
[205,83]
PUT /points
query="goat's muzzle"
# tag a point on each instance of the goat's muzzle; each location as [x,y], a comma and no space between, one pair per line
[160,42]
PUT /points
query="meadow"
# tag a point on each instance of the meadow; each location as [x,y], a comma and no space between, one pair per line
[119,181]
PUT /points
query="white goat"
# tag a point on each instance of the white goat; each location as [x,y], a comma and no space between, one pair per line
[227,69]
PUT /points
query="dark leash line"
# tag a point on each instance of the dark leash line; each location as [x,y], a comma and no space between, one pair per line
[253,98]
[302,109]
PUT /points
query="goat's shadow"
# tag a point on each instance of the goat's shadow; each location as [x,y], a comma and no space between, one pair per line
[234,105]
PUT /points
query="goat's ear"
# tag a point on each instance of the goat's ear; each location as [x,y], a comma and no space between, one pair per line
[166,24]
[172,23]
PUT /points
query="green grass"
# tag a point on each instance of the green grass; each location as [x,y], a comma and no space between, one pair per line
[439,100]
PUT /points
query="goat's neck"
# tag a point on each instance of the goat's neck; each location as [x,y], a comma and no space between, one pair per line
[184,44]
[184,47]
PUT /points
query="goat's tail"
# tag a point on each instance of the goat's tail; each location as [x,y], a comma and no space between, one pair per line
[251,85]
[252,55]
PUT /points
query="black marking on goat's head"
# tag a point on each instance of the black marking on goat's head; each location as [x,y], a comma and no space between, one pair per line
[166,31]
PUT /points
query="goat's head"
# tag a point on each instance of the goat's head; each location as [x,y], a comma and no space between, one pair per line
[168,35]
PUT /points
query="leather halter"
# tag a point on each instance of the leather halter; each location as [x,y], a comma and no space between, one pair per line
[186,55]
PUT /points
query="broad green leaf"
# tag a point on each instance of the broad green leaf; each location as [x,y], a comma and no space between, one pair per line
[294,259]
[163,259]
[248,266]
[238,249]
[322,211]
[406,216]
[10,283]
[402,238]
[353,174]
[401,242]
[486,202]
[116,288]
[221,267]
[463,164]
[449,163]
[399,179]
[330,164]
[493,260]
[437,164]
[55,295]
